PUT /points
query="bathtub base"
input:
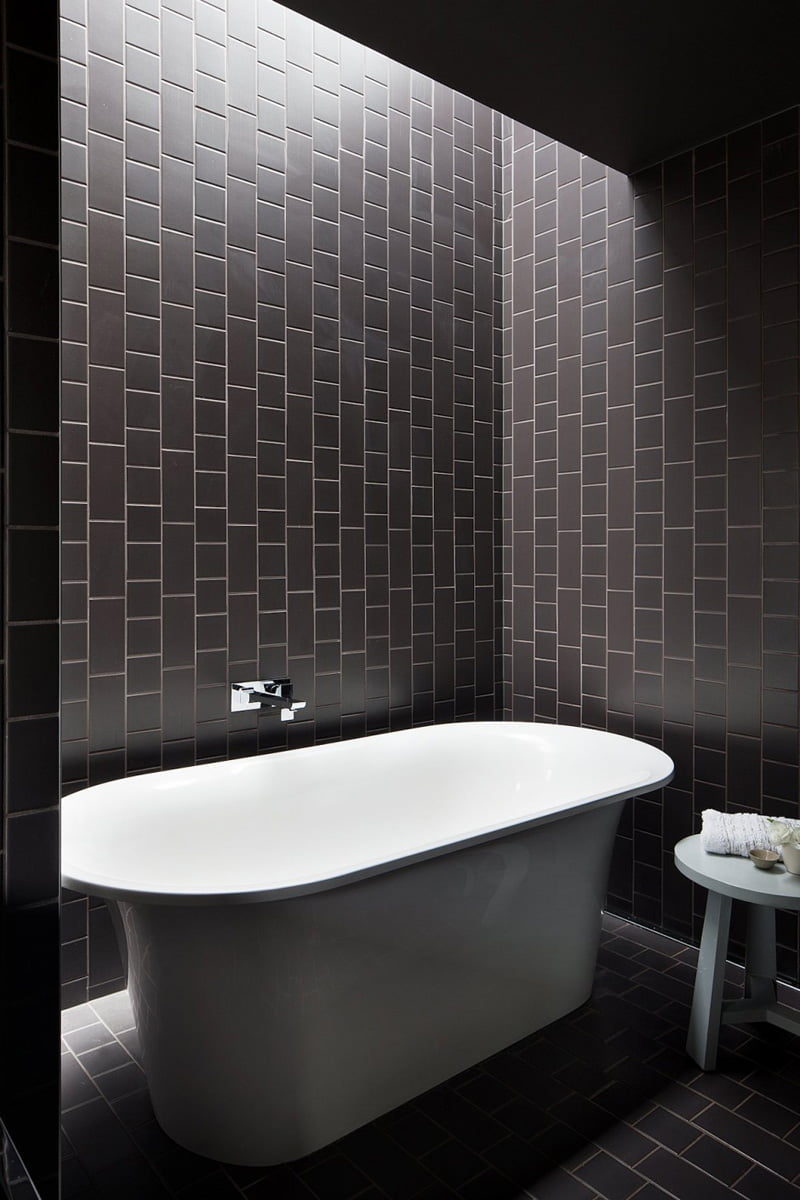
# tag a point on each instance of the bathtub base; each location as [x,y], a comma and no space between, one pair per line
[271,1029]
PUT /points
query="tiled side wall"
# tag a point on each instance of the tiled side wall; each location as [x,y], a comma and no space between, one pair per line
[29,269]
[655,479]
[278,402]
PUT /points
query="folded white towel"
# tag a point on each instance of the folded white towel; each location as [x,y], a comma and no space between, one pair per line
[738,833]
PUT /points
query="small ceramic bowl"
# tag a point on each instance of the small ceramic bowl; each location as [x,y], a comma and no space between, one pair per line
[764,859]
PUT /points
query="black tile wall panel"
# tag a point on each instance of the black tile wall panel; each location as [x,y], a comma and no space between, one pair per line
[29,278]
[279,408]
[650,493]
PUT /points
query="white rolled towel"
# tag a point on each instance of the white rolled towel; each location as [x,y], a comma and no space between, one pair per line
[738,833]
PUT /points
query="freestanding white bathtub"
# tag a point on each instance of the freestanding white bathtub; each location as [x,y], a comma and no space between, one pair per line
[316,936]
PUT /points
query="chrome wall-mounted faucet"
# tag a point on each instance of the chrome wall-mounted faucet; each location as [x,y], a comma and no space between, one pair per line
[266,693]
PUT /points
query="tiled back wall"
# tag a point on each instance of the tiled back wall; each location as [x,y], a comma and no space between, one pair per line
[278,394]
[651,520]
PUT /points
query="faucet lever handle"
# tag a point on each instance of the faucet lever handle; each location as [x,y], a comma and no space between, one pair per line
[287,714]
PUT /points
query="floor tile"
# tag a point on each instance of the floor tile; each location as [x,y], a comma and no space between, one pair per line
[77,1017]
[560,1185]
[461,1119]
[336,1178]
[178,1168]
[76,1086]
[718,1160]
[280,1182]
[454,1163]
[134,1110]
[384,1162]
[756,1143]
[669,1130]
[415,1132]
[129,1179]
[96,1136]
[74,1178]
[488,1186]
[609,1177]
[121,1081]
[775,1118]
[89,1037]
[624,1142]
[115,1010]
[216,1186]
[682,1178]
[760,1184]
[519,1161]
[104,1058]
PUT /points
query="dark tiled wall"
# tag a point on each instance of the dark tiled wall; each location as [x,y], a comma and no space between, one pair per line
[652,478]
[278,394]
[29,268]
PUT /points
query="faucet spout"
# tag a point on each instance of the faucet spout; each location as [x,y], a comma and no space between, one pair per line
[272,694]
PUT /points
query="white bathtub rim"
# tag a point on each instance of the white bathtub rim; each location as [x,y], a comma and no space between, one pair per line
[113,888]
[106,888]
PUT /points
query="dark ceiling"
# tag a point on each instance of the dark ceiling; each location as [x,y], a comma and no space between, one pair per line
[629,82]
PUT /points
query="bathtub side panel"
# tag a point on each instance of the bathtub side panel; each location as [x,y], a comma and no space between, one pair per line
[271,1029]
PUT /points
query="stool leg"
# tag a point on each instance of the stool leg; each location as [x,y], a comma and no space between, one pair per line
[760,964]
[701,1044]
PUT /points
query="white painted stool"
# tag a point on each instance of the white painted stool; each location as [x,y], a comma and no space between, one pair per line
[730,878]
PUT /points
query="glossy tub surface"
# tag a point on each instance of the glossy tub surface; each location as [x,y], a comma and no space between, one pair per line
[316,936]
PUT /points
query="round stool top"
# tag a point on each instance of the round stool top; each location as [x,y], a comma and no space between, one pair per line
[737,877]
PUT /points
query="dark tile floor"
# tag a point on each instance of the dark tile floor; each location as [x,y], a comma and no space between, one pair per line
[601,1104]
